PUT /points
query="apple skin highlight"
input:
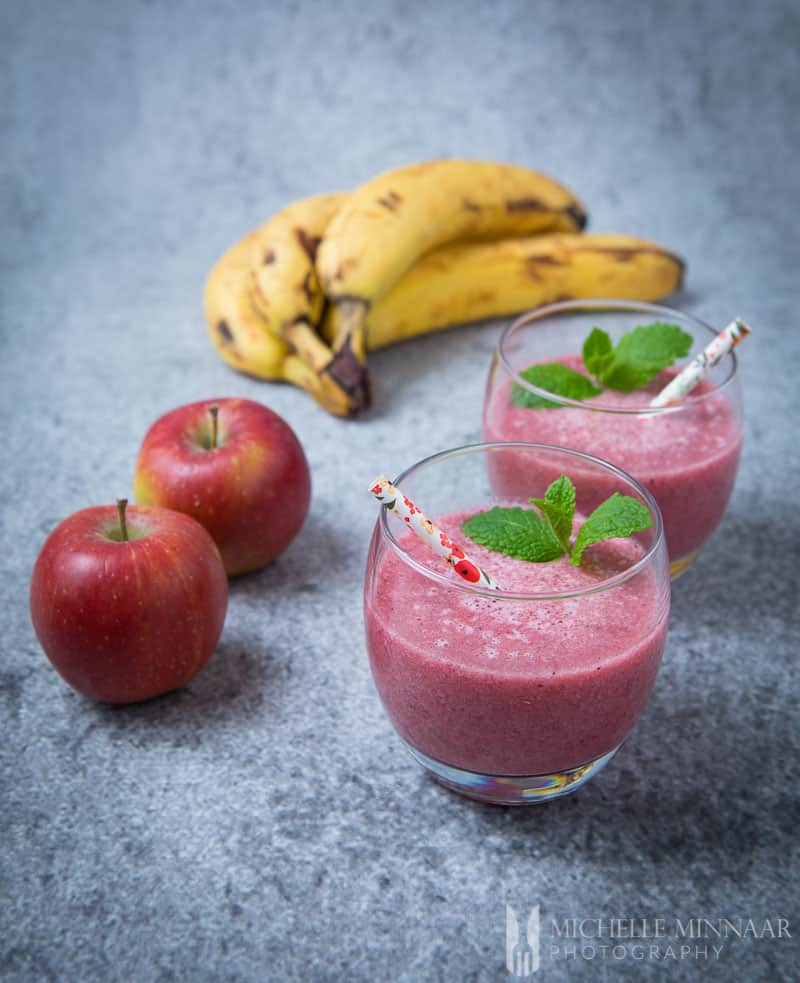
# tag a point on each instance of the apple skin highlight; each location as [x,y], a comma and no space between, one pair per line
[251,492]
[124,621]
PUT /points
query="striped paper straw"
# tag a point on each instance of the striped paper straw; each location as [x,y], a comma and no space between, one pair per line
[685,381]
[393,499]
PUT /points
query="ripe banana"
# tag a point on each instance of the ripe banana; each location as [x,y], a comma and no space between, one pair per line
[392,220]
[239,334]
[283,282]
[475,281]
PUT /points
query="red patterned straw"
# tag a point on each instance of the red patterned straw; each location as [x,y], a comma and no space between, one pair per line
[685,381]
[393,499]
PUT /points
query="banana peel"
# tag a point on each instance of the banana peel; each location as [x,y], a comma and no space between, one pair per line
[477,281]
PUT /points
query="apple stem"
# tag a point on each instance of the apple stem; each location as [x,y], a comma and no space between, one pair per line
[122,504]
[214,411]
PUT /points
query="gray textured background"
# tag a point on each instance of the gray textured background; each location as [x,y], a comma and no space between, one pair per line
[264,822]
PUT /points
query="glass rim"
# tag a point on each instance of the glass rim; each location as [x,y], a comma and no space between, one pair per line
[461,585]
[600,304]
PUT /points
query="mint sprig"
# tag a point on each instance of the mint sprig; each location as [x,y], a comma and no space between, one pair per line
[526,535]
[556,378]
[638,357]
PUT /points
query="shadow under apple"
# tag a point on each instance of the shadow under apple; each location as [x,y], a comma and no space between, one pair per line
[236,684]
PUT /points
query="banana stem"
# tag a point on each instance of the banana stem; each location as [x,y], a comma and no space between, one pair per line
[351,326]
[308,345]
[348,367]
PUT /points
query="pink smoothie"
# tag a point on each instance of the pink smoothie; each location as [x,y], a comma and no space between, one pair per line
[687,460]
[515,687]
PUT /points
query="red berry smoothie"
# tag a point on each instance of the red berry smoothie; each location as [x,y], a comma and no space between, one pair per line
[515,687]
[687,459]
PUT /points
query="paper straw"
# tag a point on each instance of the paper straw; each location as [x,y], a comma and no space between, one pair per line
[393,499]
[685,381]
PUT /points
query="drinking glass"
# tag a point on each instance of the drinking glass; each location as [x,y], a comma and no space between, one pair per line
[687,455]
[522,694]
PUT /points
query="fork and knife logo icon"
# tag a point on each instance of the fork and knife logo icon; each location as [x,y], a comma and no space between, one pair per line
[522,957]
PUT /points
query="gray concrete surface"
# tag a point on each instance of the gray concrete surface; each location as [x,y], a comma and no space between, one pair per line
[264,823]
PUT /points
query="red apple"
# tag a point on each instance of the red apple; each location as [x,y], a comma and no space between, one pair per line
[123,619]
[238,469]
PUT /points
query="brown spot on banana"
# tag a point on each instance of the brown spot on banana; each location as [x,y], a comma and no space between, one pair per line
[340,273]
[391,201]
[470,206]
[269,257]
[532,264]
[525,205]
[578,216]
[542,259]
[225,334]
[623,255]
[573,212]
[309,244]
[308,286]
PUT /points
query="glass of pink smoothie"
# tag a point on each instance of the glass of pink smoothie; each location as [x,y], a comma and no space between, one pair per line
[686,455]
[520,695]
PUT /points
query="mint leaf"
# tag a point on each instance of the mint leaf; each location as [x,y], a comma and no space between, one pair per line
[640,355]
[523,534]
[516,532]
[615,518]
[555,378]
[597,351]
[558,508]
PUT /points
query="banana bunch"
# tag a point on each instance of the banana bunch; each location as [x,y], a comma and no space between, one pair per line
[303,297]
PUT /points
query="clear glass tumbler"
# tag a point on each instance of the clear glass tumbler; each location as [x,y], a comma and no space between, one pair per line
[686,455]
[519,695]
